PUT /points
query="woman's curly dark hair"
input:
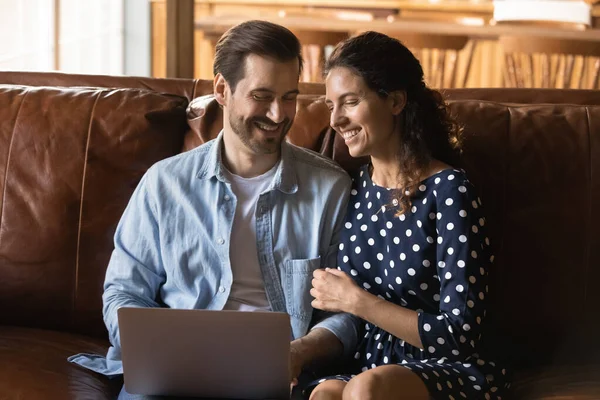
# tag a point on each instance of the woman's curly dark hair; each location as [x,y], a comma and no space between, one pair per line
[426,128]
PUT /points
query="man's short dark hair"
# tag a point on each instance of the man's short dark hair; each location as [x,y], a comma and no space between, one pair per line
[253,37]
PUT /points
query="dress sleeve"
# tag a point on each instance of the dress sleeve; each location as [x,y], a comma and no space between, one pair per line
[463,257]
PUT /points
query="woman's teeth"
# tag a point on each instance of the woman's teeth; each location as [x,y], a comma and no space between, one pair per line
[350,134]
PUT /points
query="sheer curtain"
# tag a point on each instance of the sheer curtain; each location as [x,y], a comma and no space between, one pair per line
[27,35]
[88,37]
[91,36]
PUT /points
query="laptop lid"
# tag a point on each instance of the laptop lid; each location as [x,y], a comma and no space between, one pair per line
[204,353]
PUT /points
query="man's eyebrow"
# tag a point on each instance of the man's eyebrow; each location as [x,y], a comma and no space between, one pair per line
[263,89]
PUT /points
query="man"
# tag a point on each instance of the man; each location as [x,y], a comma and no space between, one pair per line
[241,222]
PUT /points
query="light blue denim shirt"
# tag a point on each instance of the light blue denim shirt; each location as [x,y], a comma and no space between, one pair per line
[172,243]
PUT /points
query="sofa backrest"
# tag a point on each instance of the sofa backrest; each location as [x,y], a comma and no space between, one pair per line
[69,161]
[532,154]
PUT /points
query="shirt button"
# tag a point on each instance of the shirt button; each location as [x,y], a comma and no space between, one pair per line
[221,289]
[220,241]
[227,197]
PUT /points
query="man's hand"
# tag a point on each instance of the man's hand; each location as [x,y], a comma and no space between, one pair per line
[296,363]
[335,291]
[317,348]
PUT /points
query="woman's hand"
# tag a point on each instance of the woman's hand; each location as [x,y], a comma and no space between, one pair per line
[335,291]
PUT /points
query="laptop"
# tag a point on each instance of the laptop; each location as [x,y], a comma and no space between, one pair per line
[206,354]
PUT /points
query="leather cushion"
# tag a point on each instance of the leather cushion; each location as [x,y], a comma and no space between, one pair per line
[33,365]
[558,383]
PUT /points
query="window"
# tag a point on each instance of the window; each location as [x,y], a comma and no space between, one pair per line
[27,35]
[66,35]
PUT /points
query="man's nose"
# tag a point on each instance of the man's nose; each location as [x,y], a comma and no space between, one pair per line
[275,112]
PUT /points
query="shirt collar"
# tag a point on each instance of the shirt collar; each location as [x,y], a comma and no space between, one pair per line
[285,179]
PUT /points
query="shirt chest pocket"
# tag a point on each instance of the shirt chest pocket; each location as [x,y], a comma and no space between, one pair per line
[297,284]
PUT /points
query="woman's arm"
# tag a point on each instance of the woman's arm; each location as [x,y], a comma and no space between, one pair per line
[334,289]
[462,261]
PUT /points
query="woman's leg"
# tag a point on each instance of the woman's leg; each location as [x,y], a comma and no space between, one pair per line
[388,382]
[331,389]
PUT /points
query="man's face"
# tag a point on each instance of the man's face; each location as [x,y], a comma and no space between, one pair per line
[262,108]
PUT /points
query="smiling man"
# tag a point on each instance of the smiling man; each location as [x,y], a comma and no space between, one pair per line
[241,222]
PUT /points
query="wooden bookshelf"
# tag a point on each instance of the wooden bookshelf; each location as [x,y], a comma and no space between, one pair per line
[472,18]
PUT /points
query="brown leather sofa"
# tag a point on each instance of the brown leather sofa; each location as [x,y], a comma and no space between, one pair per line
[73,147]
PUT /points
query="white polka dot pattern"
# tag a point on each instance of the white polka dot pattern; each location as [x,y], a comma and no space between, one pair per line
[432,259]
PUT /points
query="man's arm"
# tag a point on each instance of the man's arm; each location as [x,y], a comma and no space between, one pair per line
[135,271]
[334,335]
[319,347]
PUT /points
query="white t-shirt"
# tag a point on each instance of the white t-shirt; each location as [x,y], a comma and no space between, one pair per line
[248,288]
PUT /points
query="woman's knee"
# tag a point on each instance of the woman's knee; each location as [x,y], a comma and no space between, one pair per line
[387,382]
[329,390]
[362,386]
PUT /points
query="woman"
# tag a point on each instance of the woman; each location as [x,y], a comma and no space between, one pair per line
[414,253]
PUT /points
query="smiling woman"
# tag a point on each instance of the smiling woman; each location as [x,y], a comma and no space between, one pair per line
[414,254]
[389,115]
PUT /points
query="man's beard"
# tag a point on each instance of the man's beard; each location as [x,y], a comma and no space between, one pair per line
[246,131]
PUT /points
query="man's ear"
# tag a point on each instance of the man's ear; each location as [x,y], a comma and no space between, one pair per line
[220,89]
[397,101]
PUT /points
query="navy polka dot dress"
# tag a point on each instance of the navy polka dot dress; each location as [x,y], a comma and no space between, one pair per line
[433,259]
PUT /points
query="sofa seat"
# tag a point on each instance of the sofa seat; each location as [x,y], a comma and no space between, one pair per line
[33,365]
[558,383]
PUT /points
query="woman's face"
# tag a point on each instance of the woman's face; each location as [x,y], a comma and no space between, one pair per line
[360,116]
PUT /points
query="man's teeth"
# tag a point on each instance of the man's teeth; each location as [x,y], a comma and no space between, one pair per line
[350,134]
[266,127]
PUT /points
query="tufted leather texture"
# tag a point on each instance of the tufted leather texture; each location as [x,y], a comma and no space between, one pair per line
[70,158]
